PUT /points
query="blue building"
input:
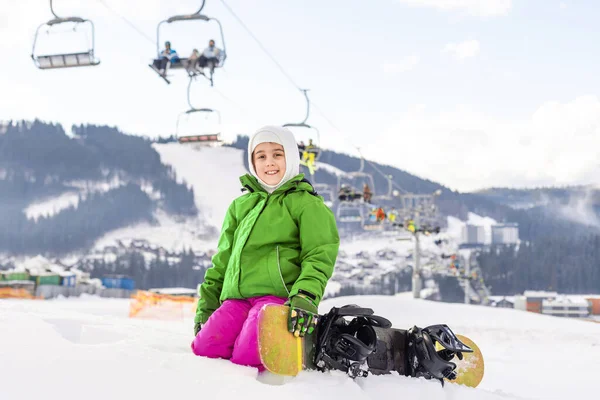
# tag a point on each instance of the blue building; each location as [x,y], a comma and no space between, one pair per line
[118,282]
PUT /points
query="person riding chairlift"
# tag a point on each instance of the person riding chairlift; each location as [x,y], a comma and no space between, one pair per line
[301,148]
[309,153]
[166,57]
[210,56]
[367,194]
[380,214]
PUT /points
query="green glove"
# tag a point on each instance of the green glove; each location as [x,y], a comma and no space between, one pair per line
[197,327]
[303,316]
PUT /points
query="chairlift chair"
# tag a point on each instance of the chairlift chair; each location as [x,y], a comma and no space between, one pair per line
[183,62]
[203,139]
[312,154]
[357,176]
[327,192]
[350,212]
[64,60]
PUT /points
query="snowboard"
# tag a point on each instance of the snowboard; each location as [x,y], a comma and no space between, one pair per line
[469,370]
[282,353]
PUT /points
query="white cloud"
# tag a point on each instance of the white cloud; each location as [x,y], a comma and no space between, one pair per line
[480,8]
[563,5]
[467,150]
[462,50]
[406,64]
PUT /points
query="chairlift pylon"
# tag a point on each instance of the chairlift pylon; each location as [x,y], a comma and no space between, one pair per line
[184,62]
[64,60]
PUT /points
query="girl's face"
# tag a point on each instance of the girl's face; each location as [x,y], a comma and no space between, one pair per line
[269,162]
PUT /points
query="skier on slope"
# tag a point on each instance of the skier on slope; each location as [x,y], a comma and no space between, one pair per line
[278,244]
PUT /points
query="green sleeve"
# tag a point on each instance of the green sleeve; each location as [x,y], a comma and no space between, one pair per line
[210,289]
[319,241]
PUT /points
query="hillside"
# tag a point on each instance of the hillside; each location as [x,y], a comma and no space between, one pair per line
[115,203]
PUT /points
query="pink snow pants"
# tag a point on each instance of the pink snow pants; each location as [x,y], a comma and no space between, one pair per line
[231,332]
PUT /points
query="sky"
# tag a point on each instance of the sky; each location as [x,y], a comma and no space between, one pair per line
[471,94]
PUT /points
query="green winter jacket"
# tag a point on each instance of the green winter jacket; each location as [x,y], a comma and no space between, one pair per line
[271,244]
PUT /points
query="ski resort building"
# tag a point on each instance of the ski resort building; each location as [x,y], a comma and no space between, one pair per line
[473,234]
[551,303]
[505,233]
[566,306]
[532,300]
[594,302]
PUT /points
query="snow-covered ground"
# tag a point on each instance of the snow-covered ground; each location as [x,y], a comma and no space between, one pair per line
[168,232]
[55,204]
[331,169]
[213,172]
[89,348]
[51,206]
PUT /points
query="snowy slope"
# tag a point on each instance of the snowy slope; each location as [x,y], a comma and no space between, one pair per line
[51,206]
[213,172]
[331,169]
[89,348]
[54,204]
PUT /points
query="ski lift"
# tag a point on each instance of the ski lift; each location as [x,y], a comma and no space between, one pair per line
[390,192]
[309,153]
[205,139]
[357,177]
[64,60]
[326,192]
[350,212]
[185,63]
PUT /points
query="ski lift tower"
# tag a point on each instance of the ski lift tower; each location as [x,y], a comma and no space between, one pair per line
[421,210]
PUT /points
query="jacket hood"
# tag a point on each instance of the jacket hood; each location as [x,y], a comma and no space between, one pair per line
[251,184]
[284,137]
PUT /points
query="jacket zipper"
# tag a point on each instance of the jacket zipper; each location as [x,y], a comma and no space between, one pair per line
[280,273]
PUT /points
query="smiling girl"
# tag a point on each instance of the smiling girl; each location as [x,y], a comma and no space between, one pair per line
[278,245]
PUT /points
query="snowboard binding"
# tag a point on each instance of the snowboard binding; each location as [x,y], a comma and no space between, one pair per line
[344,345]
[424,360]
[365,344]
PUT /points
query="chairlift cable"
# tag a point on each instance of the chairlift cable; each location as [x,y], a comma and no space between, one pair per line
[284,72]
[263,48]
[131,24]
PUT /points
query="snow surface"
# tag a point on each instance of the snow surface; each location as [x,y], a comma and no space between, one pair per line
[213,172]
[89,348]
[52,205]
[168,232]
[331,169]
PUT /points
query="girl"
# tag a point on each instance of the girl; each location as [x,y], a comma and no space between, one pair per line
[278,245]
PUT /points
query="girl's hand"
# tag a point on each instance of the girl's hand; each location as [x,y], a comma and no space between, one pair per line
[303,316]
[197,327]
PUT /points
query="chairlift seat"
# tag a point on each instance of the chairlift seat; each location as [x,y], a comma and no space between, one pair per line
[66,60]
[200,139]
[349,213]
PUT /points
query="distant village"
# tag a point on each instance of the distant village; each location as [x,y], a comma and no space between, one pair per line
[40,278]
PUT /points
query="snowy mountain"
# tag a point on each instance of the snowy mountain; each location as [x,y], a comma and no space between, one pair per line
[85,199]
[88,347]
